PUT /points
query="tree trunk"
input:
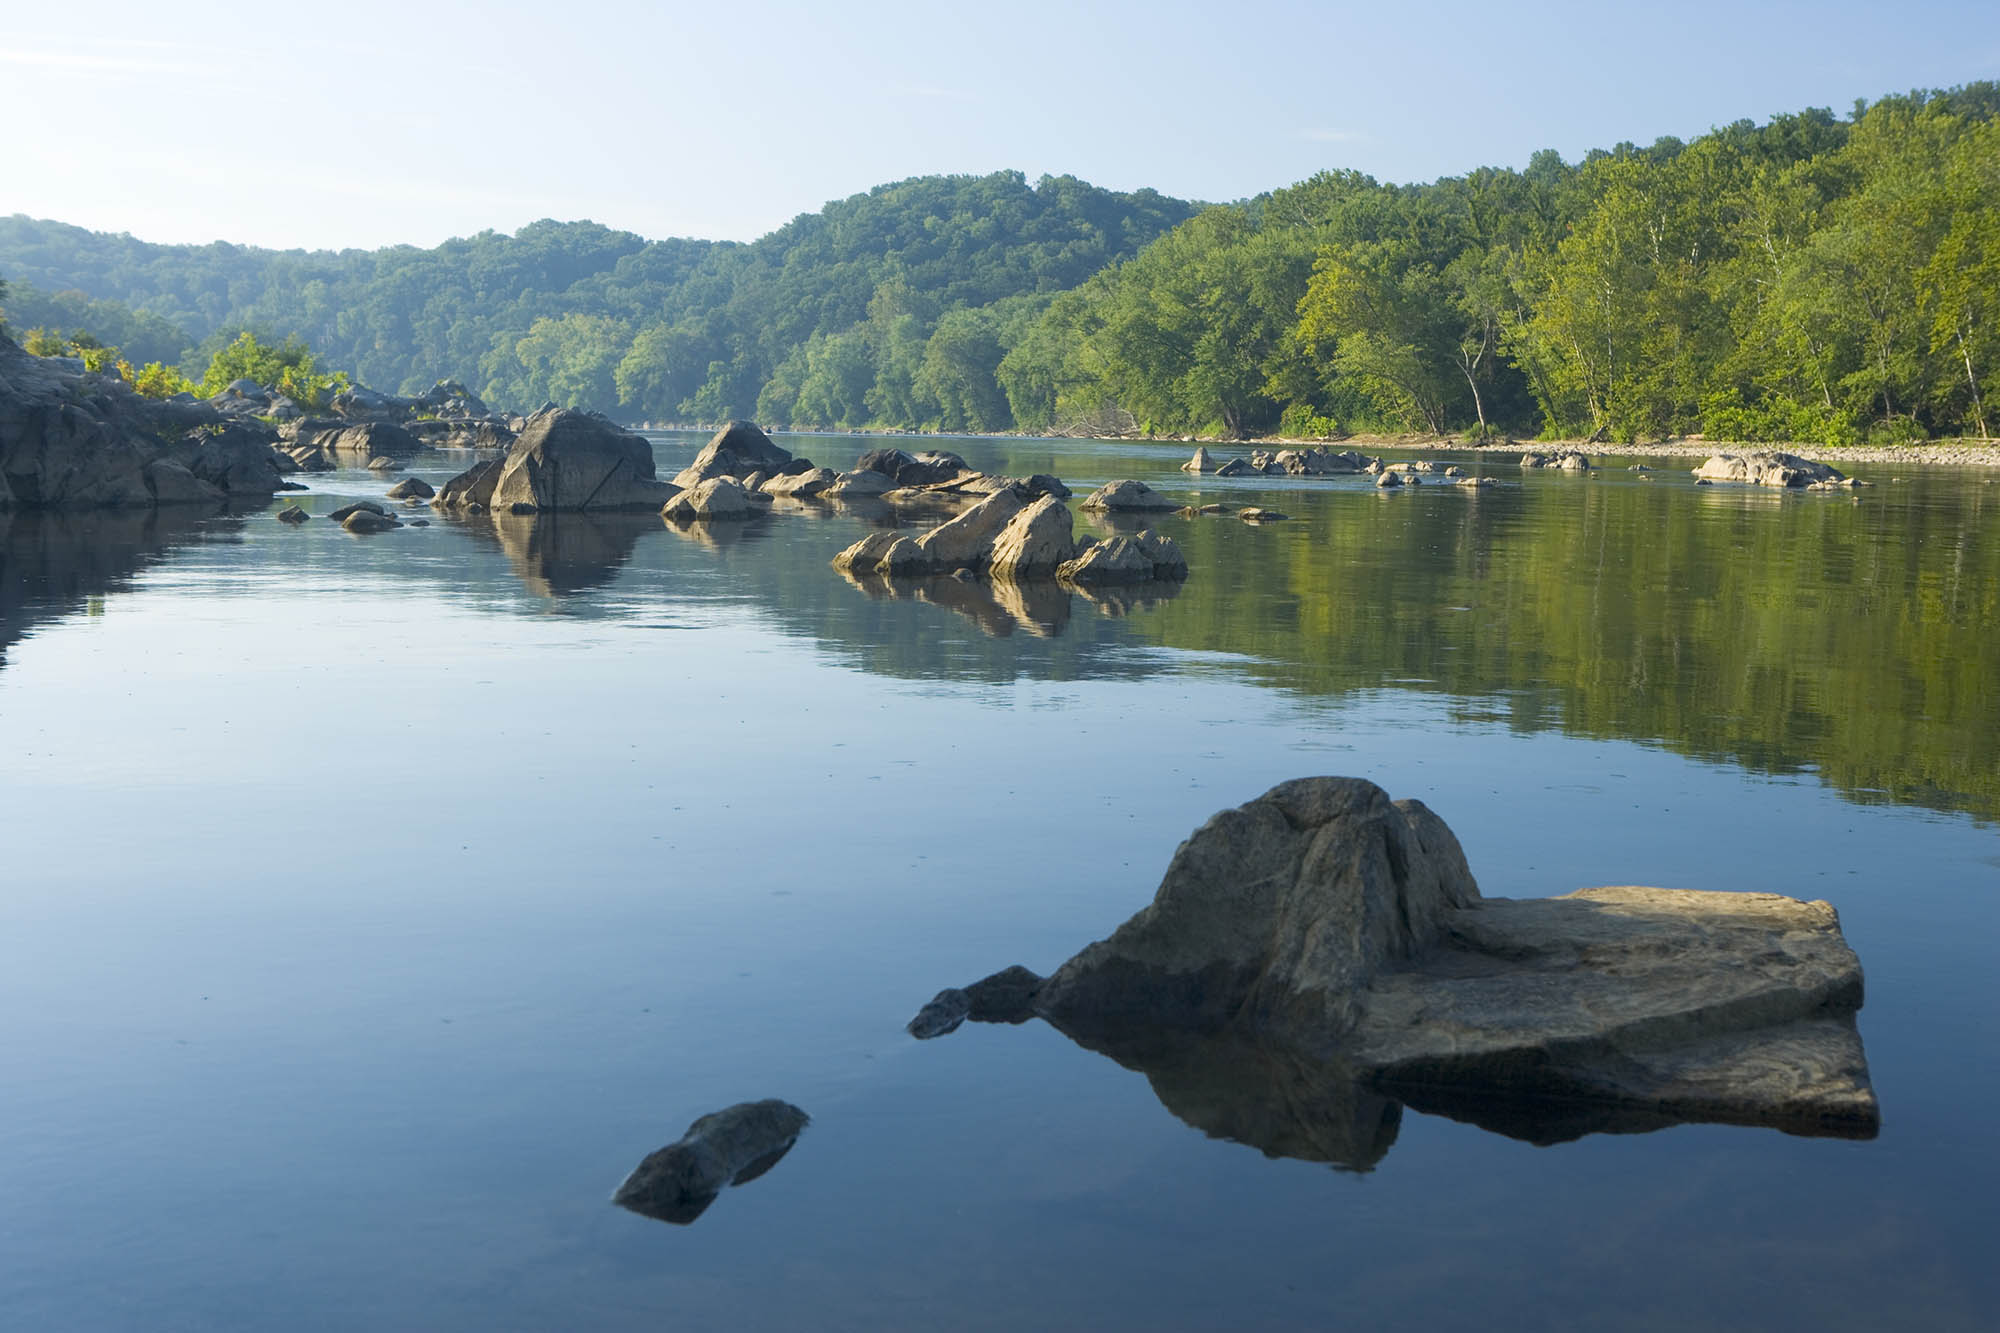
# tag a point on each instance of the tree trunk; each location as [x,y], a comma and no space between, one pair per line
[1978,408]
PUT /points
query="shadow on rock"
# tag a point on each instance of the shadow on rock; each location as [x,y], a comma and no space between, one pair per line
[728,1147]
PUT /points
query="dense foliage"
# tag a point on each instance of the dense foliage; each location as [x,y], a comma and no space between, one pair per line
[1812,279]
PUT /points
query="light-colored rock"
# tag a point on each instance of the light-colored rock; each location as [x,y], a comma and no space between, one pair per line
[729,1147]
[1235,467]
[1035,542]
[1127,497]
[1252,514]
[966,542]
[1137,559]
[1387,480]
[1201,462]
[716,498]
[736,450]
[801,485]
[368,520]
[866,555]
[1767,468]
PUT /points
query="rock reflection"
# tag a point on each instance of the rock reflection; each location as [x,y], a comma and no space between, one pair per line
[1122,599]
[562,554]
[998,608]
[52,564]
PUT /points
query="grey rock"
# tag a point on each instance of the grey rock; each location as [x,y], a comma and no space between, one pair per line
[801,485]
[729,1147]
[1768,468]
[1386,480]
[412,488]
[342,514]
[292,514]
[1008,996]
[1235,467]
[1146,557]
[942,1015]
[1201,462]
[1127,497]
[1253,514]
[172,484]
[862,484]
[717,498]
[564,462]
[1563,460]
[736,450]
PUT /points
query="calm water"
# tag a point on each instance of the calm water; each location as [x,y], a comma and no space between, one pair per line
[371,906]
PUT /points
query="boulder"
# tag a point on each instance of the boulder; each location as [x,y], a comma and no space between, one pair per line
[1252,514]
[903,469]
[866,555]
[367,521]
[1386,480]
[1235,467]
[342,514]
[801,485]
[1276,914]
[292,514]
[1137,559]
[859,485]
[74,440]
[966,542]
[1201,462]
[716,498]
[1767,468]
[1127,497]
[564,462]
[729,1147]
[412,488]
[1325,930]
[1035,542]
[736,450]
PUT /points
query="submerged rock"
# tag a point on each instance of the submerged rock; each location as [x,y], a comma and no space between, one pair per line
[1336,940]
[942,1015]
[728,1147]
[1768,468]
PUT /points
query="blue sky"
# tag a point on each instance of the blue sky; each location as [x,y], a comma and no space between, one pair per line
[376,123]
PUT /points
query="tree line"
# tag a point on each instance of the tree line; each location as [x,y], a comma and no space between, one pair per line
[1814,278]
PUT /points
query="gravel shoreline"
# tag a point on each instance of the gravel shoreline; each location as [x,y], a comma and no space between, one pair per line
[1939,453]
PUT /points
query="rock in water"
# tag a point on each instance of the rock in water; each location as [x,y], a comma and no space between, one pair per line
[720,497]
[736,450]
[1127,497]
[412,488]
[564,461]
[1276,914]
[947,1009]
[1035,541]
[1324,922]
[729,1147]
[1201,462]
[1768,468]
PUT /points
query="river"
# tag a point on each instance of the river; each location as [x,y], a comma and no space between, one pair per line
[372,905]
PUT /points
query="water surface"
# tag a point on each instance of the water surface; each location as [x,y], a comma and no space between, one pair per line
[372,906]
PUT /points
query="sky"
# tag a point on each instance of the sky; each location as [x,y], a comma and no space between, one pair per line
[371,123]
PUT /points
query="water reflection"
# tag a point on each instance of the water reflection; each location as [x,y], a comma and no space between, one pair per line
[560,555]
[53,564]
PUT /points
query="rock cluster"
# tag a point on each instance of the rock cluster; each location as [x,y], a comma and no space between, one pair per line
[1014,537]
[1317,461]
[1563,460]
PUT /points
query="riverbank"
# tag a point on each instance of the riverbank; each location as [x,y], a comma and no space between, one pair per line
[1943,453]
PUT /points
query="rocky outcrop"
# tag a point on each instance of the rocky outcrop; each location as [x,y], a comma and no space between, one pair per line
[1235,467]
[236,458]
[564,462]
[1768,468]
[1563,460]
[1127,497]
[728,1147]
[1338,939]
[1201,462]
[1142,558]
[171,484]
[736,450]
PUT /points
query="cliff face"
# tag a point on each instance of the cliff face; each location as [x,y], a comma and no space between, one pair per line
[70,439]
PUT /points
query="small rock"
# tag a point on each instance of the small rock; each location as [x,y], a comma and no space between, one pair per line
[943,1014]
[292,514]
[366,521]
[1256,515]
[411,488]
[342,514]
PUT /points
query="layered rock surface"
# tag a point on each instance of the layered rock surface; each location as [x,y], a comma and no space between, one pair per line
[1336,941]
[1768,468]
[564,461]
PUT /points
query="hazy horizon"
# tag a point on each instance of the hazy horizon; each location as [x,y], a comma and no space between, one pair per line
[195,126]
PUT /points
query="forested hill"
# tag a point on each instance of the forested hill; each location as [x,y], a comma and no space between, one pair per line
[928,279]
[1814,278]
